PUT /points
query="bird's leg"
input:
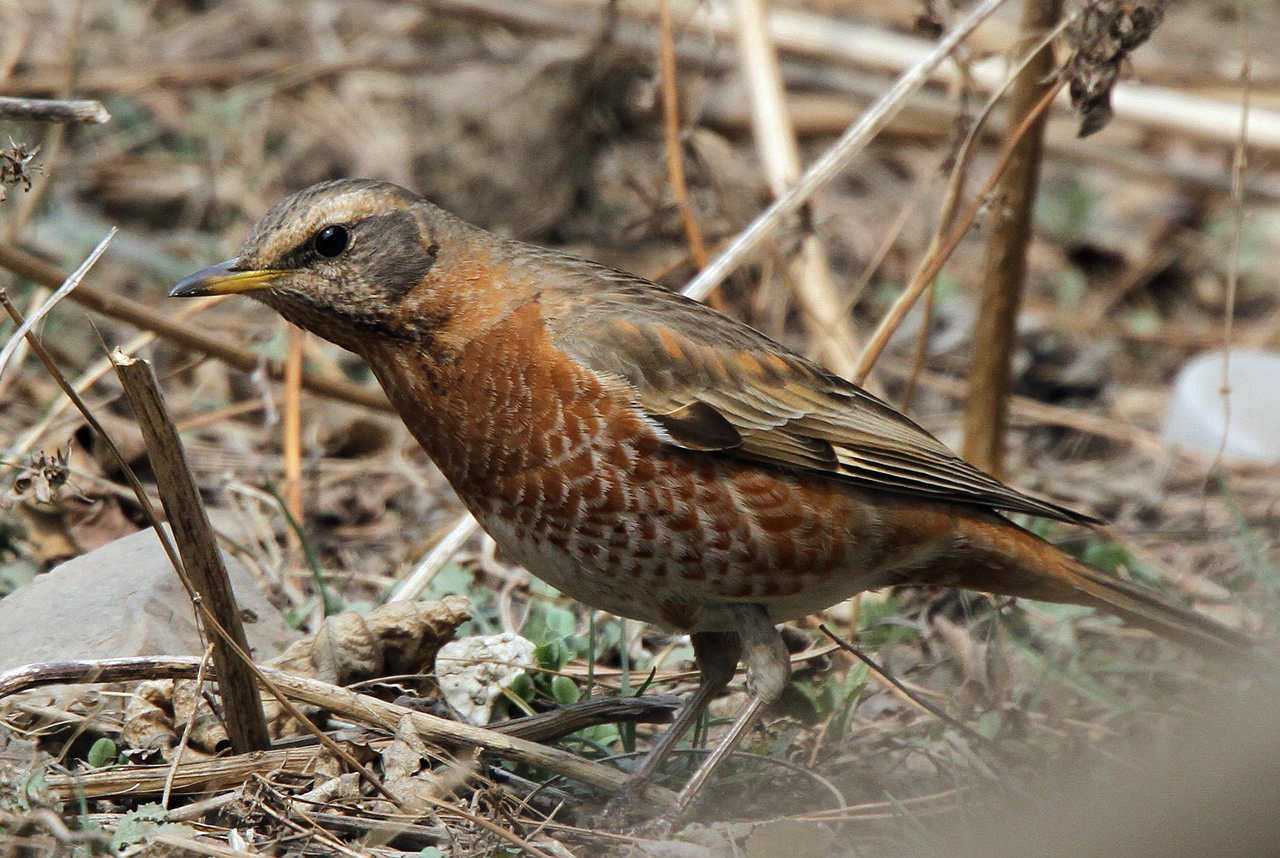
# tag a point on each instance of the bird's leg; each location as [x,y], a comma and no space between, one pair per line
[768,669]
[717,657]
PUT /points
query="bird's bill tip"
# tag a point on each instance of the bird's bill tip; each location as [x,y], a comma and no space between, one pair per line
[224,279]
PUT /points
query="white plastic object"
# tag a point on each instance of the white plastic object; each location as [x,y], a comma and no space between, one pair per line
[1196,416]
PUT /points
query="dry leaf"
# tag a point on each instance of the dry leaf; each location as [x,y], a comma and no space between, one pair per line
[472,672]
[397,639]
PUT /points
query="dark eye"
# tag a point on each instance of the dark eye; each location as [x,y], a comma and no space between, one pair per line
[331,241]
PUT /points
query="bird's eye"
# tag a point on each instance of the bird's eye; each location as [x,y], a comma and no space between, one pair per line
[331,241]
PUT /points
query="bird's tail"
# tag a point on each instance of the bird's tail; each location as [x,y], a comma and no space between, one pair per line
[1006,559]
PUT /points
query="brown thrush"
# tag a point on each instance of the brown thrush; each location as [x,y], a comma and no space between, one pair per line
[644,453]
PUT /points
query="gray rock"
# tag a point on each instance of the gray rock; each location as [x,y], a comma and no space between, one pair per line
[121,600]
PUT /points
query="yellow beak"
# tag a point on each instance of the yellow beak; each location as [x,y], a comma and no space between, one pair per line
[225,279]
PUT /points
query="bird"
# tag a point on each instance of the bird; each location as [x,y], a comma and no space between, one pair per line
[646,454]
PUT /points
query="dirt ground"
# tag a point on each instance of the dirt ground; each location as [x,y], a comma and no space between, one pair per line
[543,121]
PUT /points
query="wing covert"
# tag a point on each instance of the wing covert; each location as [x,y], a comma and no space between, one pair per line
[714,384]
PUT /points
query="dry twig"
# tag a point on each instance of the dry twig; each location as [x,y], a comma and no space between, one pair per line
[291,428]
[343,702]
[835,158]
[776,143]
[1239,161]
[1004,268]
[201,559]
[64,288]
[53,110]
[671,137]
[930,268]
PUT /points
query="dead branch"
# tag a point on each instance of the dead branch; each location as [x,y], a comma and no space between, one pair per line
[242,705]
[53,110]
[1005,265]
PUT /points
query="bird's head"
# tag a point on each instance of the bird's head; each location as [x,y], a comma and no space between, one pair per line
[337,258]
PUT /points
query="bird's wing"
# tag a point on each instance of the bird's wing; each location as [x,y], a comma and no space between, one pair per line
[715,384]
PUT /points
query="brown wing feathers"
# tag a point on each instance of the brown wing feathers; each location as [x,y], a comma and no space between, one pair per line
[715,384]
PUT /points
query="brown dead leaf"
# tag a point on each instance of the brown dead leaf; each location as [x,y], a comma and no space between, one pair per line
[1106,33]
[156,714]
[64,515]
[397,639]
[406,767]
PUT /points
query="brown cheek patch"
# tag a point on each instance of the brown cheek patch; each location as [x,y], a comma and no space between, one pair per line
[393,254]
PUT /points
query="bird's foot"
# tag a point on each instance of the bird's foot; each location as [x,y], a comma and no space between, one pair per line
[630,806]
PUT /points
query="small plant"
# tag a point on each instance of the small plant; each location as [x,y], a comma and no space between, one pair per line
[874,628]
[102,753]
[144,822]
[553,631]
[835,698]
